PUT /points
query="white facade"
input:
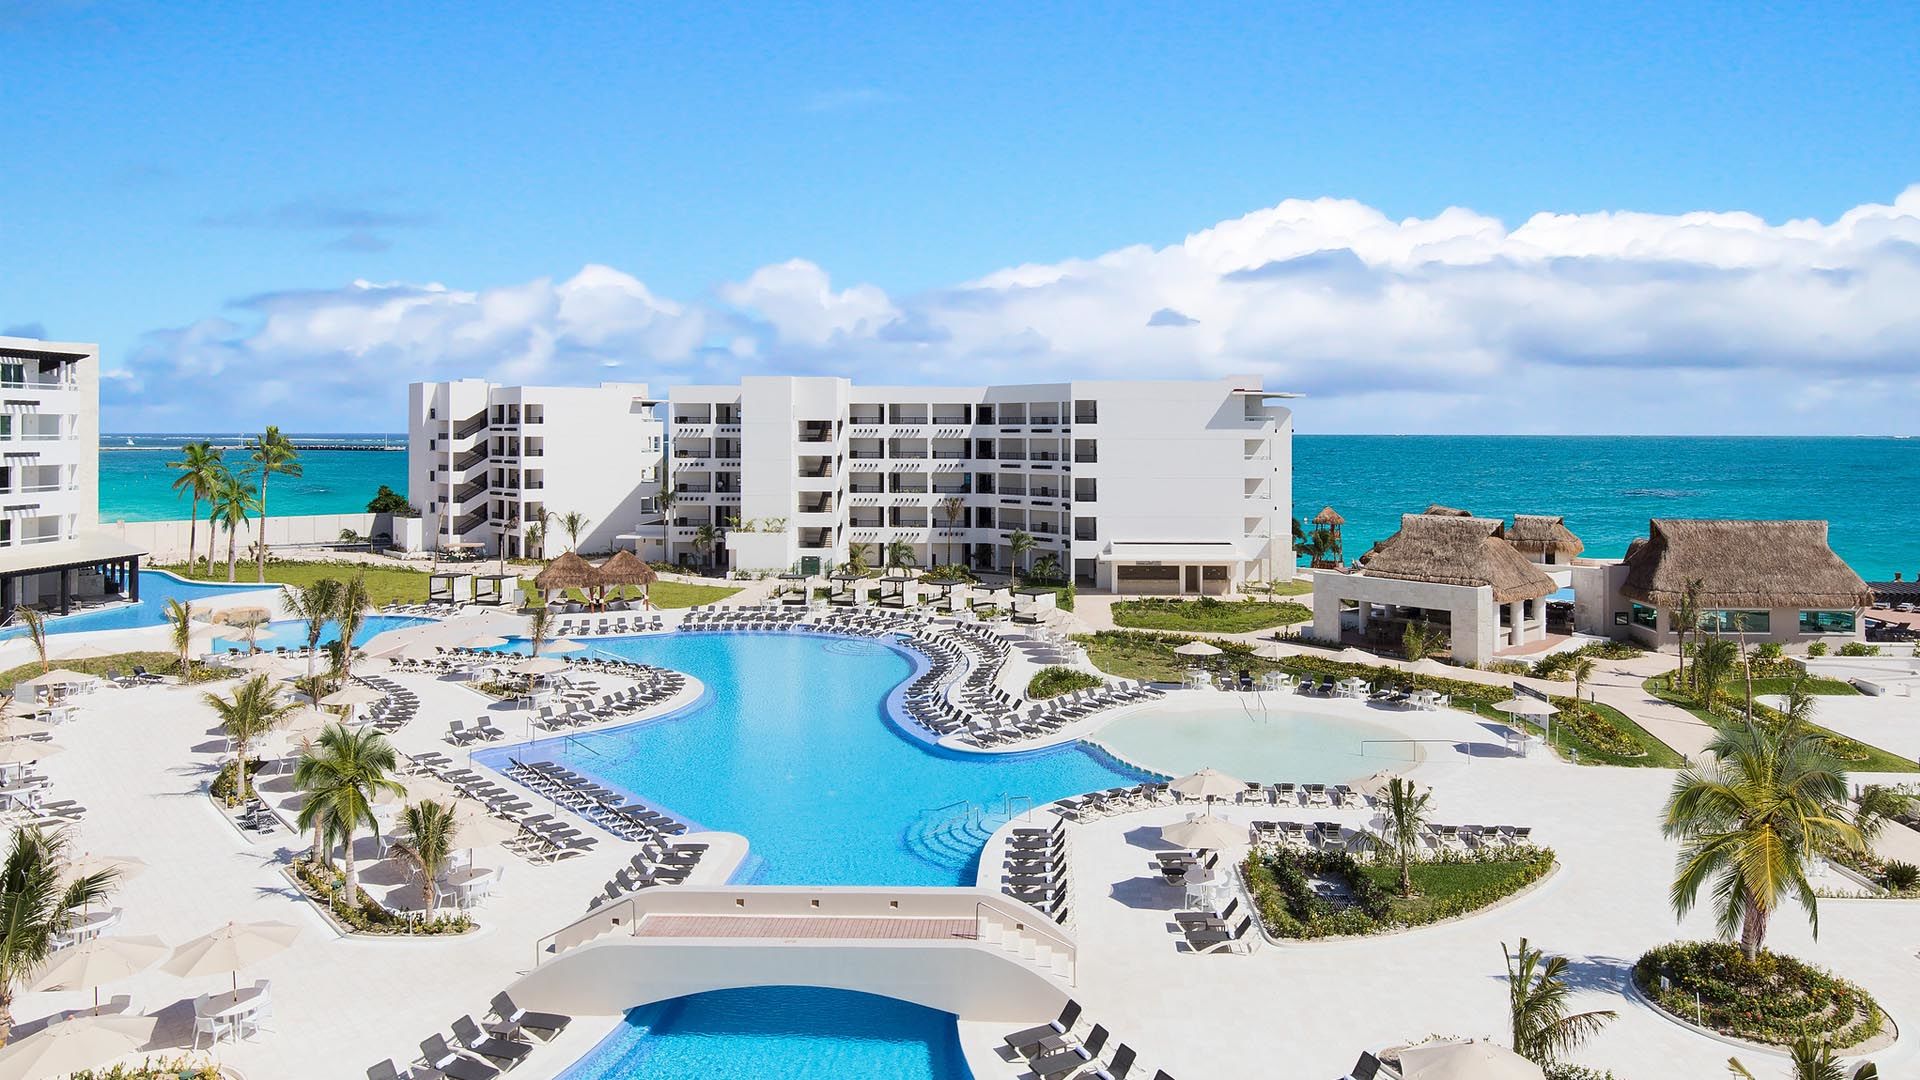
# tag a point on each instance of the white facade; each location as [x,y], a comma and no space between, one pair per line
[1169,487]
[50,552]
[484,461]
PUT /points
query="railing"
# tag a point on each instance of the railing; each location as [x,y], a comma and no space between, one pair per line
[471,458]
[471,425]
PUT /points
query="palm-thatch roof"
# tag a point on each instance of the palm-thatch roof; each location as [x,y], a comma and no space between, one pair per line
[625,568]
[1329,516]
[1537,534]
[569,571]
[1741,564]
[1436,510]
[1448,549]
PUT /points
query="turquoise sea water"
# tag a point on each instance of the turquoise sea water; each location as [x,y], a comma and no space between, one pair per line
[1606,486]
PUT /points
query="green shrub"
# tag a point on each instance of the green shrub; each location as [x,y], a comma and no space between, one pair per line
[1589,726]
[1768,651]
[1900,876]
[1289,907]
[324,885]
[1818,648]
[1053,681]
[1774,999]
[952,571]
[192,1067]
[224,788]
[1859,648]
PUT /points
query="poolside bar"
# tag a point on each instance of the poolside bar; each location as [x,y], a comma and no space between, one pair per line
[54,577]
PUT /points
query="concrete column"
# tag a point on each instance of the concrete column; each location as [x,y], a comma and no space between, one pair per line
[1360,622]
[66,592]
[1517,616]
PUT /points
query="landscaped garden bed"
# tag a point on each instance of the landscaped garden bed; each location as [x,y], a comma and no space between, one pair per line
[1207,615]
[325,885]
[1317,894]
[185,1067]
[1051,682]
[1728,710]
[1772,999]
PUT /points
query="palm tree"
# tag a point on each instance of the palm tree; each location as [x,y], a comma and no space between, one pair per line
[36,625]
[1018,545]
[272,453]
[536,536]
[539,628]
[1421,640]
[316,605]
[1877,805]
[1406,812]
[705,539]
[350,611]
[426,841]
[1048,568]
[1686,620]
[35,904]
[953,508]
[342,773]
[575,523]
[233,502]
[856,558]
[180,633]
[900,555]
[200,468]
[1713,660]
[1749,820]
[1537,993]
[1581,668]
[252,711]
[1813,1061]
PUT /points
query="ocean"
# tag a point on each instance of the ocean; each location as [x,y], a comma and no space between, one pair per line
[1607,487]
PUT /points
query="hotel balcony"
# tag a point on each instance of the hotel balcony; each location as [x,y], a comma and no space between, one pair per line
[815,431]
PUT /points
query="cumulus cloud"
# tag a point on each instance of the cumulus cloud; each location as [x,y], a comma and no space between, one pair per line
[1614,321]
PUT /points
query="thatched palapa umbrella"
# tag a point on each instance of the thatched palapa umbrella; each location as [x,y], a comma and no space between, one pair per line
[625,568]
[569,571]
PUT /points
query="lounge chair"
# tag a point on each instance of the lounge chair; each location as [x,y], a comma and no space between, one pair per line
[444,1060]
[1116,1068]
[386,1070]
[1210,940]
[508,1052]
[1034,1036]
[1065,1062]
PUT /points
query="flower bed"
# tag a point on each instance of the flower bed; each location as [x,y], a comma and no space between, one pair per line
[192,1067]
[1445,887]
[323,886]
[1051,682]
[224,788]
[1773,1000]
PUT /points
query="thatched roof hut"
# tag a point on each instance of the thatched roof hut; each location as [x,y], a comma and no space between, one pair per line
[1449,549]
[569,571]
[625,568]
[1742,564]
[1436,510]
[1539,534]
[1330,517]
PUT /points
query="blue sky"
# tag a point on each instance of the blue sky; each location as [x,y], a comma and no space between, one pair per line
[198,187]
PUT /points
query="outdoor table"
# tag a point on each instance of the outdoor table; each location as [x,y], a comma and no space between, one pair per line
[231,1009]
[466,880]
[1276,680]
[1352,686]
[90,924]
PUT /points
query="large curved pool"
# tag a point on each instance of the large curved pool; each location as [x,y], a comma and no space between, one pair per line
[789,1032]
[796,746]
[156,588]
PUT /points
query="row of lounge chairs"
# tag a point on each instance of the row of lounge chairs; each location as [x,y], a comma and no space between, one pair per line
[658,863]
[758,617]
[484,1050]
[1057,1051]
[1037,866]
[1050,716]
[602,806]
[611,624]
[433,610]
[391,712]
[542,837]
[1332,836]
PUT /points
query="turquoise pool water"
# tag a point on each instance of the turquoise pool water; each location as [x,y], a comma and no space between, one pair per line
[793,1033]
[289,633]
[156,588]
[1262,737]
[793,747]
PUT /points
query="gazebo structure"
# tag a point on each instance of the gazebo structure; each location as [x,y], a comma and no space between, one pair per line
[449,587]
[624,569]
[1329,522]
[1444,568]
[495,590]
[1766,581]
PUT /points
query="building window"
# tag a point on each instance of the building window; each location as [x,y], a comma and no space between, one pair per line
[1646,617]
[1827,622]
[1731,622]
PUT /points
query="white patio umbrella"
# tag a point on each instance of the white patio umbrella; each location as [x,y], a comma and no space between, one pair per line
[1351,655]
[60,677]
[230,948]
[81,1043]
[483,641]
[124,867]
[100,960]
[354,694]
[19,727]
[267,663]
[539,665]
[428,789]
[562,645]
[1208,783]
[474,827]
[1525,706]
[1472,1060]
[1197,648]
[22,751]
[1203,832]
[1427,665]
[82,652]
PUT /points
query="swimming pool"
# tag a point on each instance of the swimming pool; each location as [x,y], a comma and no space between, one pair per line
[792,746]
[293,632]
[1256,736]
[156,588]
[794,1033]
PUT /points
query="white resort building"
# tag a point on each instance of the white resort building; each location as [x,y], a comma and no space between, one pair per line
[485,461]
[51,554]
[1178,487]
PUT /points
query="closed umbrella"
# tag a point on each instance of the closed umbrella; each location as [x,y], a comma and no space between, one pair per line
[100,960]
[1197,648]
[230,948]
[1472,1060]
[84,1042]
[1208,783]
[1203,832]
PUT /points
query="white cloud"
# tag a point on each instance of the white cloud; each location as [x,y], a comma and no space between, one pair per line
[1612,321]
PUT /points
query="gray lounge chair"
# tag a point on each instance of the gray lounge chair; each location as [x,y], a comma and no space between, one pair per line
[509,1013]
[1064,1062]
[385,1070]
[508,1052]
[1034,1036]
[444,1060]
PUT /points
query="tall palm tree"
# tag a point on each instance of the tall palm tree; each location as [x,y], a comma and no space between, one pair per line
[1813,1060]
[1749,820]
[351,608]
[35,904]
[200,468]
[954,509]
[271,453]
[1686,620]
[539,628]
[1537,993]
[315,604]
[36,625]
[1581,668]
[900,555]
[180,633]
[856,558]
[536,538]
[575,523]
[1713,660]
[253,709]
[234,501]
[426,841]
[1018,545]
[1048,568]
[1406,813]
[342,773]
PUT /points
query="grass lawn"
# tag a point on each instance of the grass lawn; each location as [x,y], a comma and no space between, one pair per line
[1435,884]
[1863,757]
[1570,741]
[1816,684]
[1208,615]
[1285,588]
[384,583]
